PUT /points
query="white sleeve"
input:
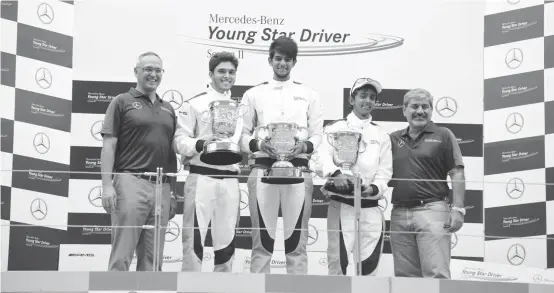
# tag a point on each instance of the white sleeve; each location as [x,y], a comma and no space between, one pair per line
[384,170]
[315,121]
[249,122]
[184,142]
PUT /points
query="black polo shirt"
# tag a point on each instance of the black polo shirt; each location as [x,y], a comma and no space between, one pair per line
[431,156]
[144,132]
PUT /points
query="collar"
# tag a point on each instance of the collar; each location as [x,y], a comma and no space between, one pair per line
[226,94]
[429,128]
[136,94]
[353,119]
[279,84]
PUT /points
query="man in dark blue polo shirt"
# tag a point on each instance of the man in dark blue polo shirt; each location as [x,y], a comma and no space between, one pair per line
[137,132]
[421,219]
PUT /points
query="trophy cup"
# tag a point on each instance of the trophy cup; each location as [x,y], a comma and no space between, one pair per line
[282,137]
[223,116]
[347,144]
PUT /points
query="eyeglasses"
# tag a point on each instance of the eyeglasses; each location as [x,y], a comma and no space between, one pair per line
[149,70]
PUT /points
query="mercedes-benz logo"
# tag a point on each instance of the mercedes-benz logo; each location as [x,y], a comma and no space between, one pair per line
[385,204]
[39,209]
[172,231]
[446,107]
[173,97]
[515,188]
[179,164]
[514,122]
[453,241]
[45,13]
[537,278]
[243,199]
[313,234]
[95,196]
[41,142]
[96,128]
[43,78]
[207,256]
[514,58]
[516,254]
[323,261]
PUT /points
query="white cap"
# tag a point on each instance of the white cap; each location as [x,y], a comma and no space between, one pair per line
[360,82]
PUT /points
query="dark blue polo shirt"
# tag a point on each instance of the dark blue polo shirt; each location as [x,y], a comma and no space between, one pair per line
[144,132]
[431,156]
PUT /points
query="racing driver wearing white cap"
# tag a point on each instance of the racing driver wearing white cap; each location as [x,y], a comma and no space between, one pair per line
[374,164]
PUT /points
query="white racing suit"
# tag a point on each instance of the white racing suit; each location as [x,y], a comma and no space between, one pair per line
[375,168]
[207,196]
[292,102]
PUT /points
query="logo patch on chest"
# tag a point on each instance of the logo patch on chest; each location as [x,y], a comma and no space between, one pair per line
[432,140]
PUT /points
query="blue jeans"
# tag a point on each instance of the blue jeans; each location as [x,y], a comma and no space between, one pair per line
[424,251]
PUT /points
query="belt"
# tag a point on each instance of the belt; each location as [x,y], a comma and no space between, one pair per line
[151,178]
[364,202]
[267,162]
[213,173]
[416,203]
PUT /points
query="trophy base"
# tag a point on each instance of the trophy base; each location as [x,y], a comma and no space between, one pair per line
[283,172]
[221,153]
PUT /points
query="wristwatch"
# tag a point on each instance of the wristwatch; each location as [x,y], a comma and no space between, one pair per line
[461,210]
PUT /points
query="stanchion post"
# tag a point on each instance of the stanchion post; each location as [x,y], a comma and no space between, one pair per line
[357,208]
[157,216]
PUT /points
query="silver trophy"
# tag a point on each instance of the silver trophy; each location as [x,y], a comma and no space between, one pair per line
[283,137]
[347,145]
[223,116]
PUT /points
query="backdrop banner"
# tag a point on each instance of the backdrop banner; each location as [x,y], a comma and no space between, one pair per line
[518,133]
[436,45]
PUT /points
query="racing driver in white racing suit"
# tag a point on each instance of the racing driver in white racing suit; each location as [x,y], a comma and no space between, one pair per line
[280,100]
[374,164]
[211,191]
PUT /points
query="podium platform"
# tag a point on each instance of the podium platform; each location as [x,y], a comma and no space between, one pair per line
[29,281]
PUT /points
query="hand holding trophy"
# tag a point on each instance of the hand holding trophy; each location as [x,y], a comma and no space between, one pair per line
[278,141]
[223,116]
[347,145]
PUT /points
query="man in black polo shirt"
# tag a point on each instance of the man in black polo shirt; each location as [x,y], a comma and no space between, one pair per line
[421,218]
[137,132]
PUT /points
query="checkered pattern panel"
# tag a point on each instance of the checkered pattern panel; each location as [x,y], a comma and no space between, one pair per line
[518,127]
[36,82]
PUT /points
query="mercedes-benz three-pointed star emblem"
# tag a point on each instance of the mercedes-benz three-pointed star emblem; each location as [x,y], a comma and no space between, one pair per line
[39,209]
[173,97]
[43,78]
[446,107]
[95,196]
[313,234]
[514,58]
[41,143]
[516,254]
[515,188]
[383,204]
[45,13]
[95,130]
[172,231]
[453,241]
[514,122]
[243,199]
